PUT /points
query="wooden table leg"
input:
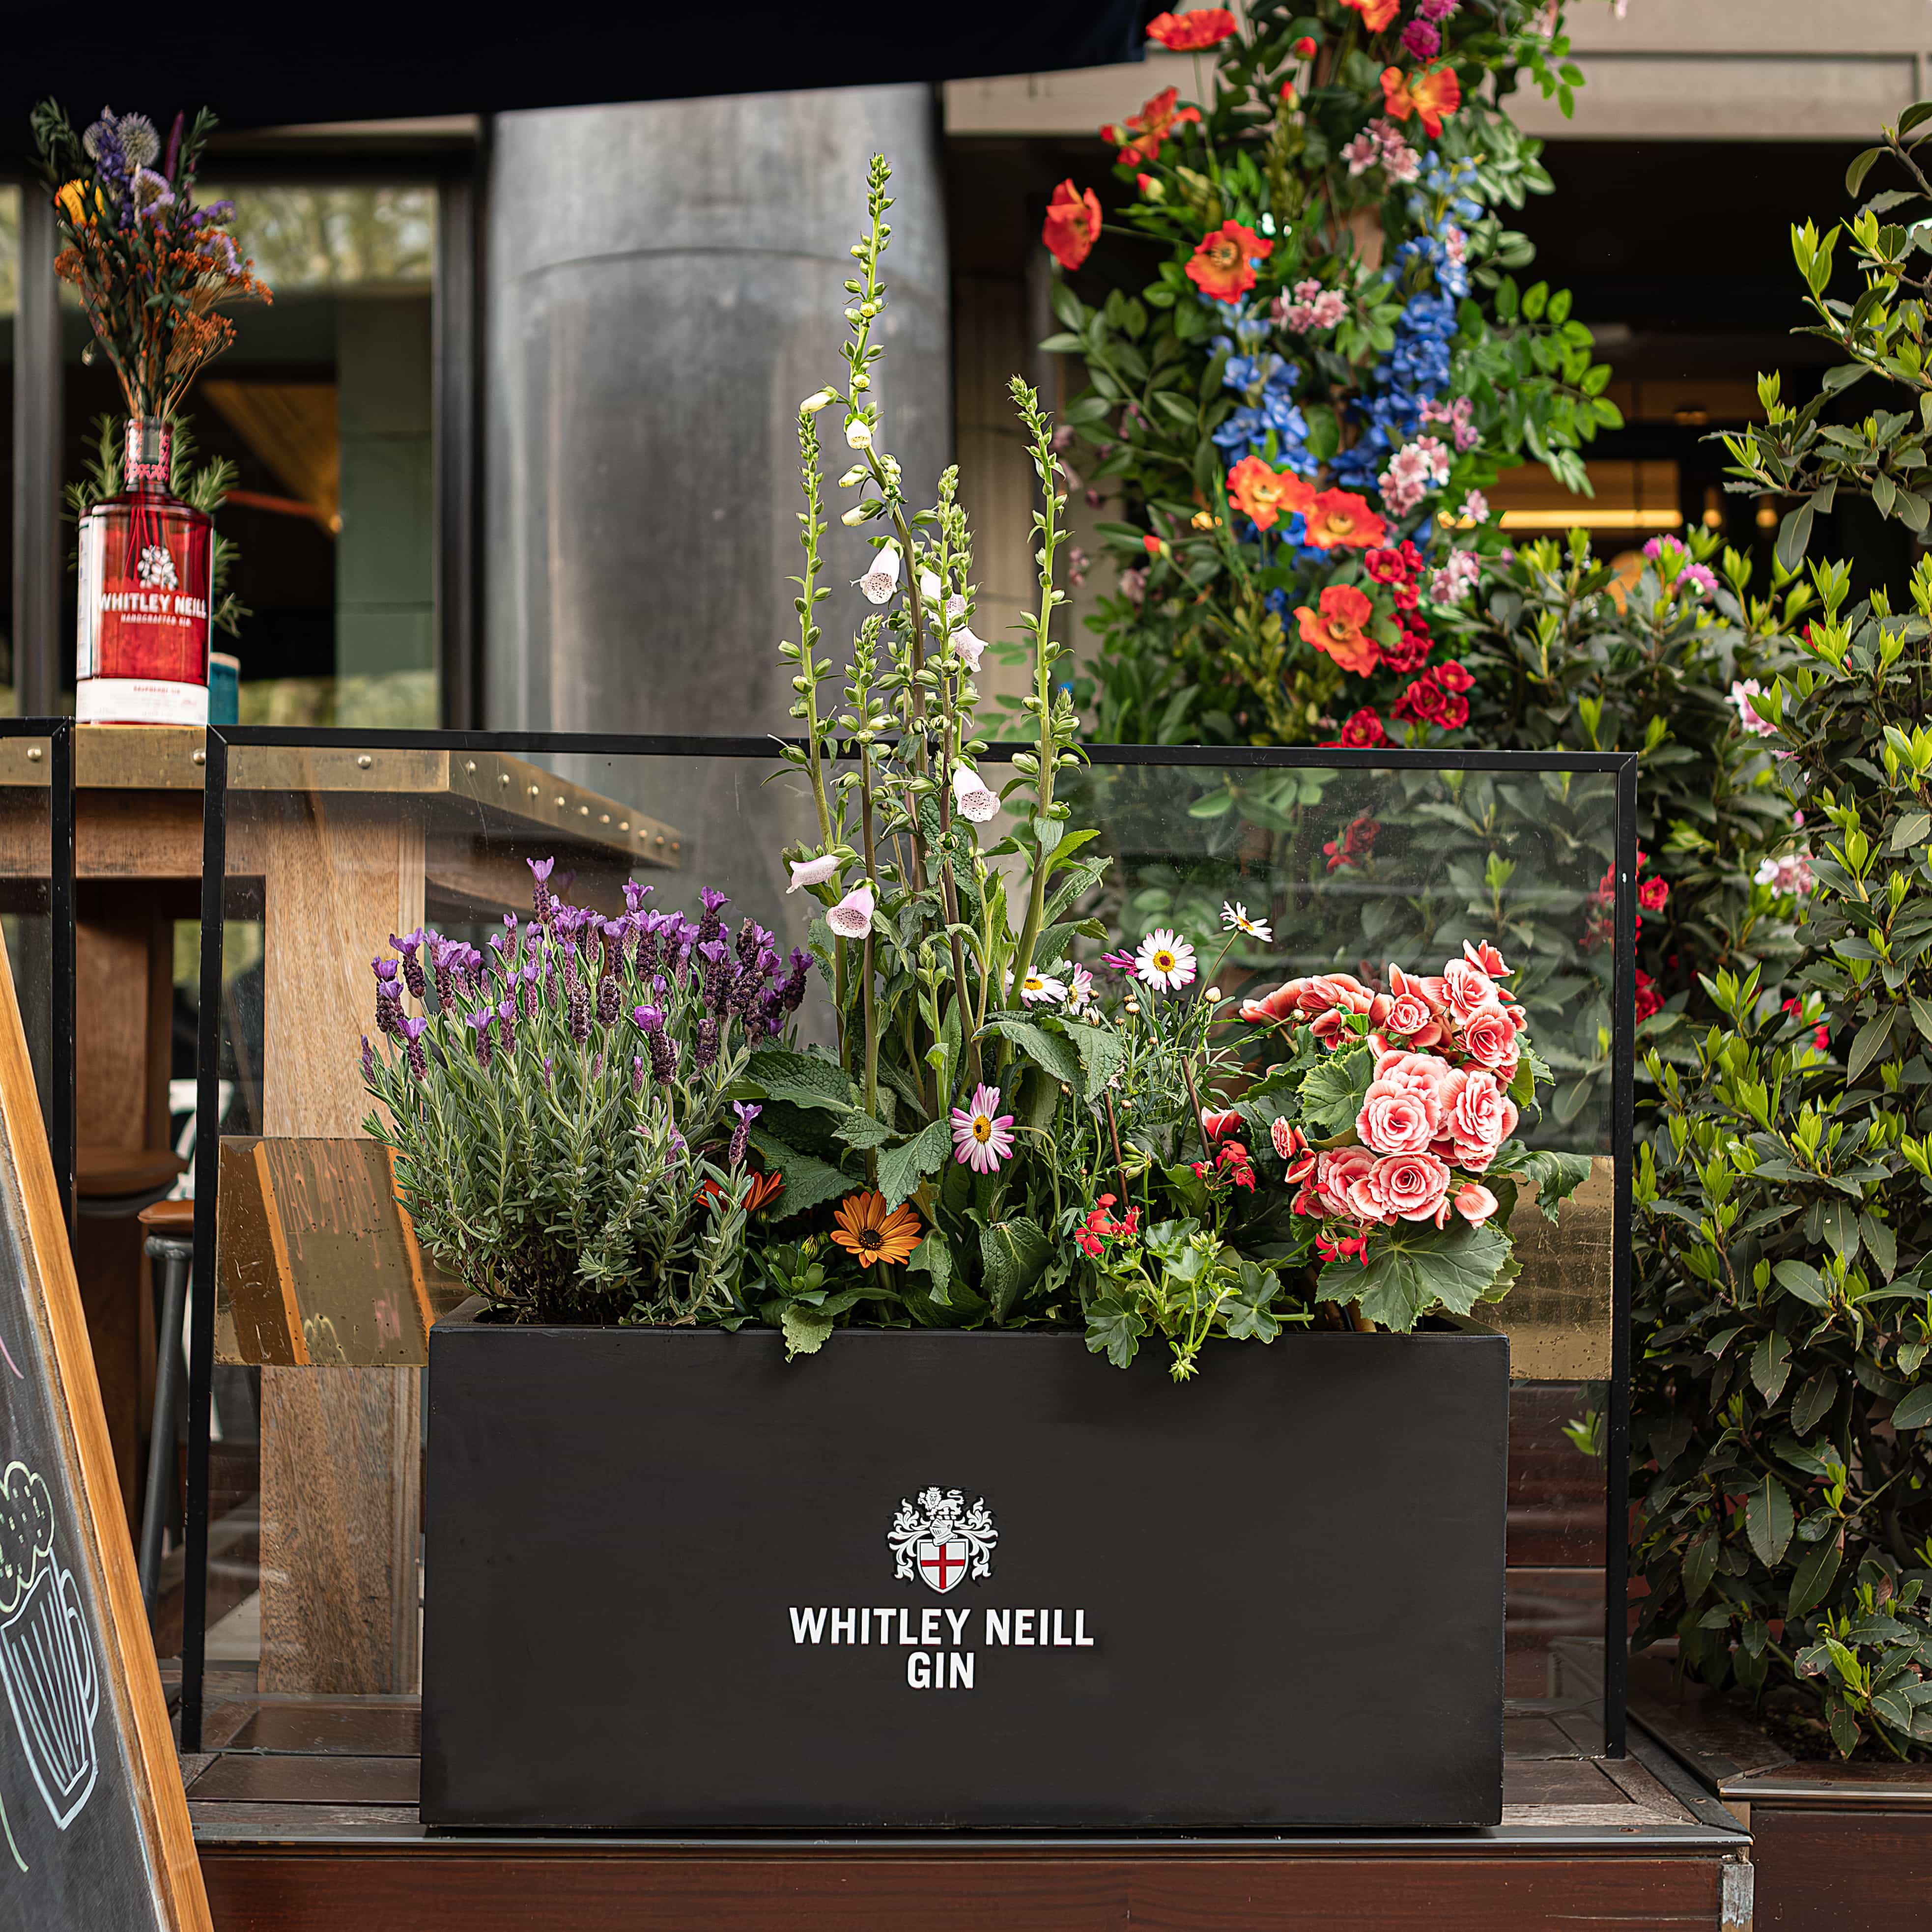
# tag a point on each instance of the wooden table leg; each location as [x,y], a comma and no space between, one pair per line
[340,1447]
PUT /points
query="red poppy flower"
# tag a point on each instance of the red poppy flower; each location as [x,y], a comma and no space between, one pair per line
[1339,519]
[1223,263]
[1072,225]
[1191,33]
[1146,130]
[1434,95]
[1376,14]
[1303,48]
[1338,629]
[1264,494]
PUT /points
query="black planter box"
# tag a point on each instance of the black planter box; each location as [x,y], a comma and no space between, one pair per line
[673,1582]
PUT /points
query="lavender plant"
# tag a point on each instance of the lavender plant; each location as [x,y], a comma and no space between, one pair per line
[560,1107]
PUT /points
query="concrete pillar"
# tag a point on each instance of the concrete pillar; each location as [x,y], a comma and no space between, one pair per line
[665,282]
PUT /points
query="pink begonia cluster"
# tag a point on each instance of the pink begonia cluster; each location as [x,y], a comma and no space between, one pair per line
[1438,1111]
[1413,471]
[1313,307]
[1742,692]
[1381,143]
[1457,416]
[1457,577]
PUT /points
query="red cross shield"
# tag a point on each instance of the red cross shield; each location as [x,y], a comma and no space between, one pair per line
[943,1564]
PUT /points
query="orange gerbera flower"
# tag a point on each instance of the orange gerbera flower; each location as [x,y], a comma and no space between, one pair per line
[1434,95]
[1338,629]
[863,1227]
[1376,14]
[1146,130]
[1339,519]
[1264,494]
[1190,33]
[1223,263]
[1072,225]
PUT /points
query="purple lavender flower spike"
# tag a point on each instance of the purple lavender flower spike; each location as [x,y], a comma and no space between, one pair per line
[650,929]
[650,1022]
[637,1073]
[577,1012]
[506,1027]
[510,927]
[741,1134]
[480,1024]
[540,871]
[409,946]
[550,1067]
[705,1052]
[713,903]
[385,971]
[635,895]
[609,995]
[413,1046]
[527,995]
[793,992]
[368,1059]
[388,1008]
[752,939]
[597,1066]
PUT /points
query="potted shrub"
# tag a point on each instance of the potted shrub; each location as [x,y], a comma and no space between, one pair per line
[1782,1404]
[948,1568]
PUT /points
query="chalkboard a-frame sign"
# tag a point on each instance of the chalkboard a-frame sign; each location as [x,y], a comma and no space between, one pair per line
[93,1825]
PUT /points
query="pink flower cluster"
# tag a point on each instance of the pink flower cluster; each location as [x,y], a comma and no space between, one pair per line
[1413,471]
[1458,576]
[1447,1047]
[1458,417]
[1380,142]
[1313,307]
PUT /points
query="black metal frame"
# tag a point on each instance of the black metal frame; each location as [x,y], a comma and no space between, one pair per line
[1622,765]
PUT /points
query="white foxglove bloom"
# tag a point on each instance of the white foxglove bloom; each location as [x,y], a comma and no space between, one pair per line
[856,515]
[812,871]
[976,803]
[858,434]
[882,579]
[815,402]
[929,587]
[856,474]
[970,648]
[851,918]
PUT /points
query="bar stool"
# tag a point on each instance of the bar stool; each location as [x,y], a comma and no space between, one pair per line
[170,1246]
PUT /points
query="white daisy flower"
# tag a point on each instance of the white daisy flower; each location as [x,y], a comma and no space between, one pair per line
[1165,962]
[1236,919]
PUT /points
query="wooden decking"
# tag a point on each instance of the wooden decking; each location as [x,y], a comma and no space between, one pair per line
[304,1814]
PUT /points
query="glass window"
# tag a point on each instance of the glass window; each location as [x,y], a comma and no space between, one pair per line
[10,260]
[325,406]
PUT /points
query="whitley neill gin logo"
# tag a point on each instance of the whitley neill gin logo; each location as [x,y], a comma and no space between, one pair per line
[938,1541]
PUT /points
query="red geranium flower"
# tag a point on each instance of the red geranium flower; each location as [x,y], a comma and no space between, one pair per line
[1191,33]
[1339,519]
[1072,225]
[1410,651]
[1652,893]
[1263,494]
[1223,263]
[1453,677]
[1338,629]
[1146,130]
[1649,999]
[1364,729]
[1303,48]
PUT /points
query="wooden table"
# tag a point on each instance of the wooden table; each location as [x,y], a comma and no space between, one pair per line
[333,850]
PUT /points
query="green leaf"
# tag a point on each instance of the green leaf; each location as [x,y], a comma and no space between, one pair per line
[1115,1329]
[1802,1280]
[1700,1565]
[1869,1043]
[1770,1365]
[1814,1400]
[1052,1051]
[808,1179]
[1794,535]
[902,1168]
[1914,1410]
[860,1129]
[805,1328]
[1413,1268]
[933,1257]
[1102,1056]
[1249,1317]
[1557,1176]
[1862,166]
[1768,1520]
[1012,1256]
[1332,1093]
[804,1079]
[1811,1582]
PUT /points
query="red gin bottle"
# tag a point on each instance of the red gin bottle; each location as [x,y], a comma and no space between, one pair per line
[142,651]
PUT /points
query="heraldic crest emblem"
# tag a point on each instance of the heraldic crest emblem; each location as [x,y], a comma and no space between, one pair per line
[938,1538]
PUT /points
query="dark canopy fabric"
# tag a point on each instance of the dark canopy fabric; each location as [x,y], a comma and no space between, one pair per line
[261,65]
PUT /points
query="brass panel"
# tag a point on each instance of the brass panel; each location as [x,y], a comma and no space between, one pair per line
[1557,1315]
[24,761]
[318,1263]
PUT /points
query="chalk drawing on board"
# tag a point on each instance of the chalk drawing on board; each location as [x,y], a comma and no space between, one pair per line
[46,1653]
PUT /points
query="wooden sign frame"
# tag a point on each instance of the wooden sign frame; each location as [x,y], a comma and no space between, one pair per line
[129,1688]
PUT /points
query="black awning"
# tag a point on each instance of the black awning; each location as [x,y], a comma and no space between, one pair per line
[262,65]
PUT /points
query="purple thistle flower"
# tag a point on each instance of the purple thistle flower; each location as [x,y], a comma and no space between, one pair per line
[413,1046]
[368,1059]
[713,903]
[705,1052]
[409,946]
[480,1024]
[388,1008]
[577,1012]
[637,1073]
[506,1026]
[634,895]
[609,997]
[741,1134]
